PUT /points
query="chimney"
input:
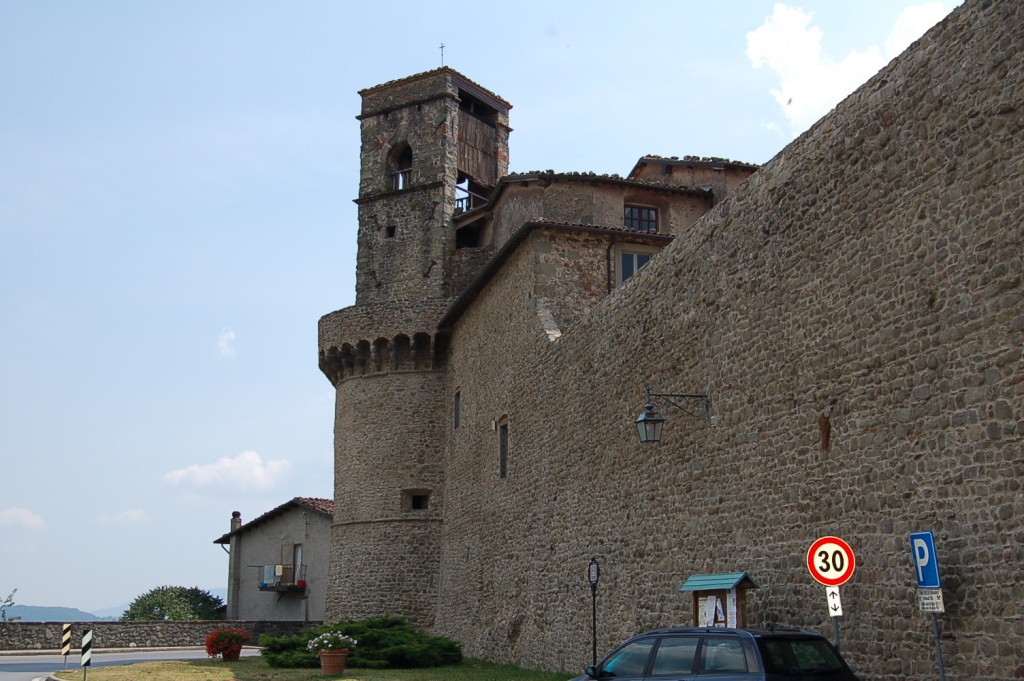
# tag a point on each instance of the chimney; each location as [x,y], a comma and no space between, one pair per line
[236,520]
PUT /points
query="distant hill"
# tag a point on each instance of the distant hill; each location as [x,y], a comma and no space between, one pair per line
[113,613]
[42,613]
[45,613]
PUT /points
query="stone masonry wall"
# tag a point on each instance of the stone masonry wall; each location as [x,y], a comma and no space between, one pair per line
[47,635]
[856,311]
[411,263]
[388,439]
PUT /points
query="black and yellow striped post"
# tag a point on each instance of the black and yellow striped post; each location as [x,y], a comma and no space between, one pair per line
[65,643]
[86,653]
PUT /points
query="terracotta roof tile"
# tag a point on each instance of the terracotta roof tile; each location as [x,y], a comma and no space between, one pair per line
[324,507]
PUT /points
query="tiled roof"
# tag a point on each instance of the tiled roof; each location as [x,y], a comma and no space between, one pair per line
[613,178]
[324,507]
[693,161]
[550,175]
[549,222]
[433,72]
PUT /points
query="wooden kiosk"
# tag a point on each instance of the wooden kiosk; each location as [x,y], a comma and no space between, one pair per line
[720,600]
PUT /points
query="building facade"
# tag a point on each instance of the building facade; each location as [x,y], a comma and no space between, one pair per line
[277,563]
[853,308]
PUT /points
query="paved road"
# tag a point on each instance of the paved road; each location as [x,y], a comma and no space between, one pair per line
[14,667]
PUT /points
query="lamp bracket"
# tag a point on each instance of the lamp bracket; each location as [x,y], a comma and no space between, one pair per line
[696,404]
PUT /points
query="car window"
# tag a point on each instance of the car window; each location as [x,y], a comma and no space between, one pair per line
[723,655]
[793,656]
[675,655]
[630,660]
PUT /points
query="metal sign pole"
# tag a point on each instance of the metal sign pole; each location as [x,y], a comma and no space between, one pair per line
[593,575]
[938,647]
[831,562]
[929,585]
[835,609]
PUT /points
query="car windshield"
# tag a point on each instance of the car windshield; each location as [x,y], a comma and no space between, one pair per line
[628,661]
[797,656]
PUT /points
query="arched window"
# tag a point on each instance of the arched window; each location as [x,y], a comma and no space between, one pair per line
[401,167]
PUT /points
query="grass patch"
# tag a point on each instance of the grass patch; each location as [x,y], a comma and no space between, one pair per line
[257,669]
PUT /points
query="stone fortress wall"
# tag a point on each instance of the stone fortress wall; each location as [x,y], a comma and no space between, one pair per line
[857,311]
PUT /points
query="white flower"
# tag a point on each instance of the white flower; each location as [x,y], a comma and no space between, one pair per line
[331,640]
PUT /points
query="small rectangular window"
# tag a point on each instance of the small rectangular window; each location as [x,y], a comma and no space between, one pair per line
[631,262]
[415,500]
[641,218]
[503,450]
[457,409]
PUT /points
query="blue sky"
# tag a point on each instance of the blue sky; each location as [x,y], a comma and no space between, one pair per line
[176,185]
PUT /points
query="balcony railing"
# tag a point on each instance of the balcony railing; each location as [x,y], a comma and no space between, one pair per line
[282,577]
[466,200]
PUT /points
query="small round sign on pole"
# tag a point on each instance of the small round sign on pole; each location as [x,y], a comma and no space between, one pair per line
[593,576]
[831,561]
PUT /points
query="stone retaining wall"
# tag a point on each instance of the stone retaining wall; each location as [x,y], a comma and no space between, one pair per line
[46,635]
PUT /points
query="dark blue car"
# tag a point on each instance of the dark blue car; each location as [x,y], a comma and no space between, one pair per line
[723,655]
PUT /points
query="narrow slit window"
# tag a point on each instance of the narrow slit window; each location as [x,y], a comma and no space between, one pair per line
[503,449]
[457,410]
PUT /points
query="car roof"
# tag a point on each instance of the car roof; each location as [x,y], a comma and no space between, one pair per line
[759,632]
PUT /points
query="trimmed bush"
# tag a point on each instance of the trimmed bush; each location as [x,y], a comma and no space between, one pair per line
[383,642]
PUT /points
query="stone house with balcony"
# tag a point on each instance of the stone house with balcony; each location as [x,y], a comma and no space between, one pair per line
[278,562]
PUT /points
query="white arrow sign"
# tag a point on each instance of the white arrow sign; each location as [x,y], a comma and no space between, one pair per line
[835,604]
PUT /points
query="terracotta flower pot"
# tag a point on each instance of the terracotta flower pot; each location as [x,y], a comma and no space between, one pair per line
[231,655]
[333,661]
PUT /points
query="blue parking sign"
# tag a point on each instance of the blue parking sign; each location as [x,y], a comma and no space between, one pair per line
[926,563]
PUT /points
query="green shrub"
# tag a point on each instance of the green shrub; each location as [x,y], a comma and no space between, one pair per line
[288,651]
[382,642]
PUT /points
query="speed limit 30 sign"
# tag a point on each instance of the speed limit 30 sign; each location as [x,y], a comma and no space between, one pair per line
[831,561]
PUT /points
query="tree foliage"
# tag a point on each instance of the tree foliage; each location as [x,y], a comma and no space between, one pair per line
[8,602]
[173,603]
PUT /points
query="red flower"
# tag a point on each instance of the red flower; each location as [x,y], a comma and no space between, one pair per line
[227,640]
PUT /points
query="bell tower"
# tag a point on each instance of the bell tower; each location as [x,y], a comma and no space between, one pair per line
[433,145]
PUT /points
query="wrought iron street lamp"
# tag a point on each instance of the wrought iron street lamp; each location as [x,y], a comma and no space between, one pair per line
[650,424]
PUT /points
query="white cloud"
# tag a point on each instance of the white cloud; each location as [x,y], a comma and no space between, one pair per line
[911,24]
[21,517]
[226,344]
[245,471]
[810,83]
[133,517]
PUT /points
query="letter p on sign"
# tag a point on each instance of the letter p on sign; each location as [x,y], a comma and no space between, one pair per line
[922,550]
